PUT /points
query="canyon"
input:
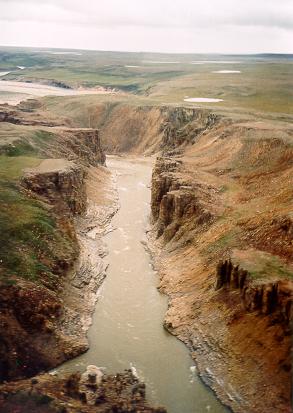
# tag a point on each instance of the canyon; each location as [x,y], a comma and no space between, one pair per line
[220,238]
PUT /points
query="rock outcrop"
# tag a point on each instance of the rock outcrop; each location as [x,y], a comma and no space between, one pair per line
[80,145]
[176,201]
[182,126]
[90,392]
[27,338]
[264,297]
[60,182]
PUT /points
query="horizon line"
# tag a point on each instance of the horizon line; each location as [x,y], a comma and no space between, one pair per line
[150,52]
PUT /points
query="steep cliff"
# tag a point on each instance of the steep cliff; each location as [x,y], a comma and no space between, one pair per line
[30,336]
[270,298]
[80,145]
[42,246]
[60,182]
[222,244]
[177,203]
[137,129]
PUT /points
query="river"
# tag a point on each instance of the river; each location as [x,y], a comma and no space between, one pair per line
[127,329]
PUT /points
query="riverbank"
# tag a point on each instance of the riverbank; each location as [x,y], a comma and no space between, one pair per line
[80,289]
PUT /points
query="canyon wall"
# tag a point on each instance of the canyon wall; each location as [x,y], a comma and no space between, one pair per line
[132,128]
[31,340]
[32,311]
[221,236]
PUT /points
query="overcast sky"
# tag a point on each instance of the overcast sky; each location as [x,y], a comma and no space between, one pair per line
[195,26]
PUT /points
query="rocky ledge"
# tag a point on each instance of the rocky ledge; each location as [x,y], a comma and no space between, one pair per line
[60,182]
[176,202]
[270,298]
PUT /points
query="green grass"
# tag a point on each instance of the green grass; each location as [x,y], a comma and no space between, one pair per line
[263,266]
[18,140]
[227,241]
[30,242]
[11,167]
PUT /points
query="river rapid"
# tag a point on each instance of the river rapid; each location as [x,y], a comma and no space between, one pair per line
[127,329]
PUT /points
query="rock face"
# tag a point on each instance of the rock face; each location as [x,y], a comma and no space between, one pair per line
[80,145]
[27,315]
[183,126]
[175,201]
[162,182]
[27,114]
[53,139]
[265,298]
[60,182]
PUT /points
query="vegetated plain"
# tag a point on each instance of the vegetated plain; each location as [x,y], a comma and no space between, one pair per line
[264,84]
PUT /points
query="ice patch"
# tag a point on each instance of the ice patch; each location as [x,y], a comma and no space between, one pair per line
[161,62]
[227,71]
[225,62]
[203,100]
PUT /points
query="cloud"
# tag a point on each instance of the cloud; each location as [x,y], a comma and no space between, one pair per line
[153,13]
[192,19]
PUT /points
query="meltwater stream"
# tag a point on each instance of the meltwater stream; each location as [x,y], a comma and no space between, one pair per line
[127,329]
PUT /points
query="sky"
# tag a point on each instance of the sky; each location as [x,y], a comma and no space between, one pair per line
[176,26]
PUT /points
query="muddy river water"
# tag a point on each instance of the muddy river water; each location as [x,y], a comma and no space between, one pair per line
[127,329]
